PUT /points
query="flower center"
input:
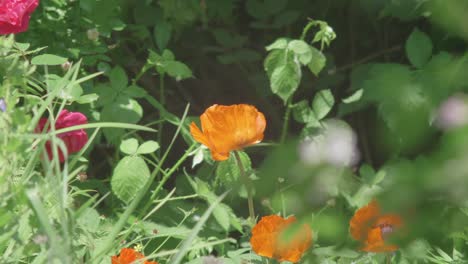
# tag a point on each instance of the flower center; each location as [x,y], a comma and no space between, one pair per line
[386,230]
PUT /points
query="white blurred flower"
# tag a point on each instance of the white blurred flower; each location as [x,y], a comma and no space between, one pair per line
[336,144]
[93,34]
[452,113]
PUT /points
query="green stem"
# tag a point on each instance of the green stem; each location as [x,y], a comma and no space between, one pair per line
[248,186]
[287,114]
[162,100]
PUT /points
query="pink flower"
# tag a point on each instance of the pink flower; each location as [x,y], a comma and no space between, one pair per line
[73,140]
[15,15]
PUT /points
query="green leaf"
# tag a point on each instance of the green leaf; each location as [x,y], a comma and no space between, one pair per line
[318,61]
[162,34]
[178,70]
[48,59]
[148,147]
[87,98]
[280,43]
[118,78]
[323,103]
[354,97]
[130,175]
[228,173]
[285,79]
[89,220]
[129,146]
[302,50]
[274,59]
[302,112]
[418,48]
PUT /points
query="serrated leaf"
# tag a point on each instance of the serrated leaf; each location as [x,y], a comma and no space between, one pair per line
[285,80]
[228,173]
[129,146]
[162,34]
[418,48]
[302,51]
[323,103]
[48,59]
[130,175]
[148,147]
[354,97]
[317,62]
[274,59]
[280,43]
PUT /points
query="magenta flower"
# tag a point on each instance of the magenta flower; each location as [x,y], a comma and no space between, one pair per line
[15,15]
[74,140]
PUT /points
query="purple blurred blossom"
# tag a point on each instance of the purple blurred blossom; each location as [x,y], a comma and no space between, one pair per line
[336,145]
[2,105]
[452,113]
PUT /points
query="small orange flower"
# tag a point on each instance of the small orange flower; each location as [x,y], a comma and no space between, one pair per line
[229,127]
[128,256]
[267,239]
[371,227]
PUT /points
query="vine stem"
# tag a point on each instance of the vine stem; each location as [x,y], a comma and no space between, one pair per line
[248,186]
[287,114]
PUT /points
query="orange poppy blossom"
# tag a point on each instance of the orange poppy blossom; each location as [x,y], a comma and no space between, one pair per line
[371,227]
[229,127]
[267,240]
[130,255]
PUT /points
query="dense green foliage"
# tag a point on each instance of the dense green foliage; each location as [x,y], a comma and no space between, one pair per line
[388,76]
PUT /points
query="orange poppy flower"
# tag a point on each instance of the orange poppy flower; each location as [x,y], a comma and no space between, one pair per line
[128,256]
[267,239]
[371,227]
[229,127]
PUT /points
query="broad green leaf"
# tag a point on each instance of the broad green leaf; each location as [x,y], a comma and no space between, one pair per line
[280,43]
[354,97]
[275,59]
[129,146]
[118,78]
[418,48]
[323,103]
[148,147]
[123,110]
[135,91]
[162,34]
[285,79]
[48,59]
[87,98]
[318,61]
[89,220]
[178,70]
[130,175]
[302,51]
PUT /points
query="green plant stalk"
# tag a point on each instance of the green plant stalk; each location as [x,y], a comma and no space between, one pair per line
[287,114]
[248,186]
[162,100]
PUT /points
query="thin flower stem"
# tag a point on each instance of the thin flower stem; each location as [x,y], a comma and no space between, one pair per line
[162,100]
[248,186]
[284,131]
